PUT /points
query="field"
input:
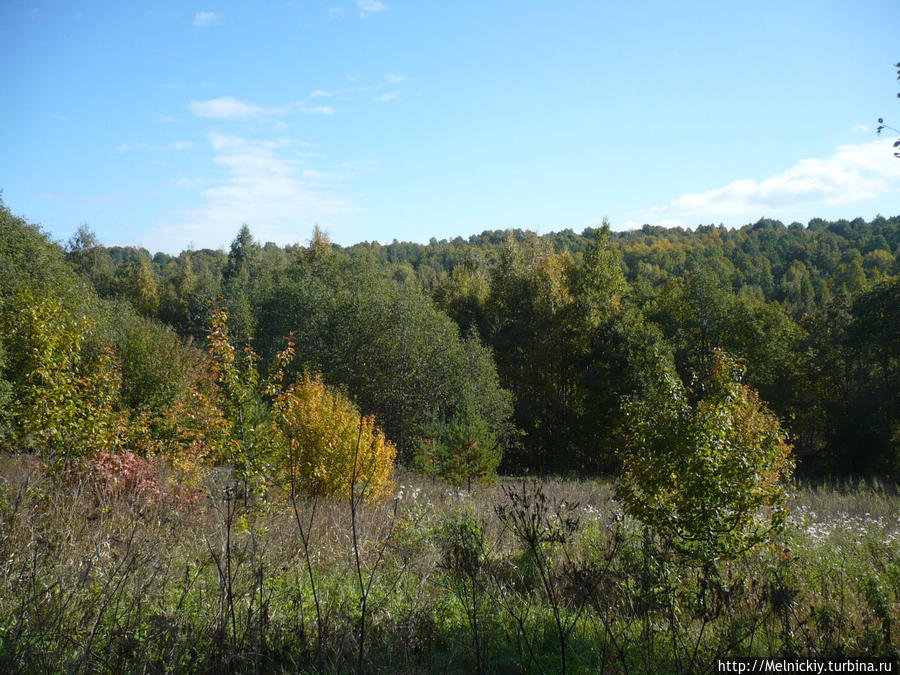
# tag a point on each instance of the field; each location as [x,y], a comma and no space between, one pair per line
[521,577]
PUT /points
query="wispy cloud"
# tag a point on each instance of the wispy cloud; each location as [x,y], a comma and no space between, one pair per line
[189,183]
[394,78]
[167,119]
[311,174]
[228,108]
[265,186]
[319,93]
[80,198]
[316,110]
[388,96]
[367,7]
[231,108]
[177,145]
[853,173]
[203,19]
[335,13]
[861,127]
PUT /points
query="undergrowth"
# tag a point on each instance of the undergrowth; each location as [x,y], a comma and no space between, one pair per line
[524,577]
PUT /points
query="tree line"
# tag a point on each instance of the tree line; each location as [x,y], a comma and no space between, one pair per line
[535,346]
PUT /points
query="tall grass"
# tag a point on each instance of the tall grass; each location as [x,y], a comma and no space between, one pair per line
[517,578]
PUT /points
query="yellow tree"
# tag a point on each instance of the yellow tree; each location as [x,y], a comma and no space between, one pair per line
[331,447]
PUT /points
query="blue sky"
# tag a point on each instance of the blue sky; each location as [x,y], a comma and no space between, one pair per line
[168,125]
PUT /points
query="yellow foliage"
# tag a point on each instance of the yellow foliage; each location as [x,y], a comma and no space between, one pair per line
[331,447]
[64,403]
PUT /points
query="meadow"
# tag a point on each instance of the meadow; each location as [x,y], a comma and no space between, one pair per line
[524,576]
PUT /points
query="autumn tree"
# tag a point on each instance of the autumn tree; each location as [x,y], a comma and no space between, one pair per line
[249,440]
[705,466]
[330,446]
[141,287]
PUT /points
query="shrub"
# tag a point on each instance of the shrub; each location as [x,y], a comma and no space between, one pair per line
[114,474]
[330,446]
[708,474]
[63,397]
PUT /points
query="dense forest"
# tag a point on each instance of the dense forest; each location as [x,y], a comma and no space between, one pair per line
[536,340]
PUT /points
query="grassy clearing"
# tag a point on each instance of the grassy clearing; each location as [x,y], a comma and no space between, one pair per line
[559,578]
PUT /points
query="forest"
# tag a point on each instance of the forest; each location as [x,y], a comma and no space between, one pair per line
[610,451]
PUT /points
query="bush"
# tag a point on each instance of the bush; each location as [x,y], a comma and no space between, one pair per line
[331,448]
[710,474]
[63,398]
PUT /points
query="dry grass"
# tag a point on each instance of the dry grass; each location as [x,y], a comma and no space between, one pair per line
[94,584]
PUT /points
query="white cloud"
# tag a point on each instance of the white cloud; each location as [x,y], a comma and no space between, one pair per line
[319,93]
[317,110]
[335,13]
[367,7]
[853,173]
[167,119]
[861,127]
[178,145]
[263,187]
[321,175]
[389,96]
[231,108]
[394,78]
[228,108]
[188,183]
[202,19]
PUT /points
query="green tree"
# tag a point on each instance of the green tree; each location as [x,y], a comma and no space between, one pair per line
[91,260]
[610,351]
[240,283]
[461,449]
[395,353]
[181,291]
[530,312]
[706,467]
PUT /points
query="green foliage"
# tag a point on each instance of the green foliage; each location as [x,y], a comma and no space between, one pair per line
[386,343]
[250,433]
[530,318]
[545,334]
[63,401]
[706,468]
[460,450]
